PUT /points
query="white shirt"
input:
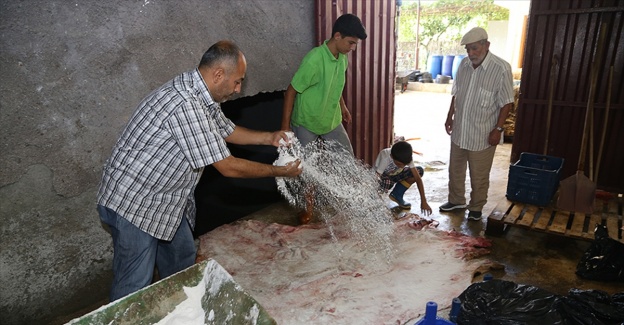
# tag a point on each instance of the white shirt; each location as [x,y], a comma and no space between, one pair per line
[384,159]
[479,95]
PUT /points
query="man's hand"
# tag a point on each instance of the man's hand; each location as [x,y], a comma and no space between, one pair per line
[346,116]
[277,136]
[291,169]
[448,125]
[494,137]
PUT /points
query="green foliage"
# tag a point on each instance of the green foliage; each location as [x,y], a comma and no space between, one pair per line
[445,15]
[443,22]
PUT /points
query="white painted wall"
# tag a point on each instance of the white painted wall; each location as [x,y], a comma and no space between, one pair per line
[497,35]
[518,10]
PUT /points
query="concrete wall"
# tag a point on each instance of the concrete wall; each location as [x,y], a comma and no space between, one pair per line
[72,74]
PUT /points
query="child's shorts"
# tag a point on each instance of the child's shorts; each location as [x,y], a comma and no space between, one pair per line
[386,181]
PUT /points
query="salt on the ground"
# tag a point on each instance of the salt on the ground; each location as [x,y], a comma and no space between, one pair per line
[357,267]
[305,275]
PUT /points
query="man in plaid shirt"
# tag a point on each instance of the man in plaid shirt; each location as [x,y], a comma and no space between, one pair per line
[146,193]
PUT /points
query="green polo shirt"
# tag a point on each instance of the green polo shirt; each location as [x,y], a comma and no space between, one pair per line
[319,83]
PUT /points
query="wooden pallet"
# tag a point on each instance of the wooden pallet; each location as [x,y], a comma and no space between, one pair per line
[607,211]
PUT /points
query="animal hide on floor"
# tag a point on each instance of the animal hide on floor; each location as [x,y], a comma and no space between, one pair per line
[307,275]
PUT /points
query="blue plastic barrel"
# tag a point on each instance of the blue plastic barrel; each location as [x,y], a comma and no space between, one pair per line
[434,64]
[447,65]
[456,61]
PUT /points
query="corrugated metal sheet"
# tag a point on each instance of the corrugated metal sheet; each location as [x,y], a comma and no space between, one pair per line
[569,32]
[369,91]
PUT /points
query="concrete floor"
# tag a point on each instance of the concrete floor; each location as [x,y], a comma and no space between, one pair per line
[539,259]
[529,257]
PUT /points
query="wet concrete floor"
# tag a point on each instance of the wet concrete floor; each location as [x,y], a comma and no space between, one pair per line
[529,257]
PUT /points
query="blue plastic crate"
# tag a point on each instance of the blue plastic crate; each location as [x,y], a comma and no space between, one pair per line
[534,179]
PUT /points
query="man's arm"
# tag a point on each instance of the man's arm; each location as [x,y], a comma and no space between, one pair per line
[448,125]
[245,136]
[242,168]
[496,134]
[346,115]
[289,103]
[502,116]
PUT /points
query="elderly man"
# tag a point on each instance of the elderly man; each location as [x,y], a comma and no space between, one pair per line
[482,97]
[146,194]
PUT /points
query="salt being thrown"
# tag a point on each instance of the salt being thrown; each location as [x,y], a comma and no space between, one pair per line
[345,191]
[289,151]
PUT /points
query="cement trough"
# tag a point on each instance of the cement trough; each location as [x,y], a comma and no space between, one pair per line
[222,302]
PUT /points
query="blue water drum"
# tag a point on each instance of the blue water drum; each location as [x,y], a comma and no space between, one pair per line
[447,65]
[456,61]
[435,65]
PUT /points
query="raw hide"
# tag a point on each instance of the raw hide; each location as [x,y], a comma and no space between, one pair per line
[303,275]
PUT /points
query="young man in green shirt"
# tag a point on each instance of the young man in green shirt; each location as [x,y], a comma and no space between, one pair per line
[313,104]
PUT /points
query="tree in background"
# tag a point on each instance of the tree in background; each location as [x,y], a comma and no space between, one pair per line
[442,24]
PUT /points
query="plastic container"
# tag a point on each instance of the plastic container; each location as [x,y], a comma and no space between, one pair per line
[440,79]
[455,309]
[434,65]
[534,179]
[456,62]
[431,317]
[447,65]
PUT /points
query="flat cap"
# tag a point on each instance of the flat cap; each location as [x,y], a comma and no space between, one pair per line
[474,35]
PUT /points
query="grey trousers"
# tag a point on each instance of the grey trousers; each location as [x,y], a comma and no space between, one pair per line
[339,134]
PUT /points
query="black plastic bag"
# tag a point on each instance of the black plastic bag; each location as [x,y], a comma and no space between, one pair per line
[504,302]
[604,260]
[507,303]
[591,307]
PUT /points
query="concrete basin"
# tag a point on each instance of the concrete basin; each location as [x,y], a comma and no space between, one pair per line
[222,300]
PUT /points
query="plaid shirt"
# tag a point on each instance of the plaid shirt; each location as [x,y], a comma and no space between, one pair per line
[151,175]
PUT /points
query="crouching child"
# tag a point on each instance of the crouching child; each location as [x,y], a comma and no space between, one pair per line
[395,167]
